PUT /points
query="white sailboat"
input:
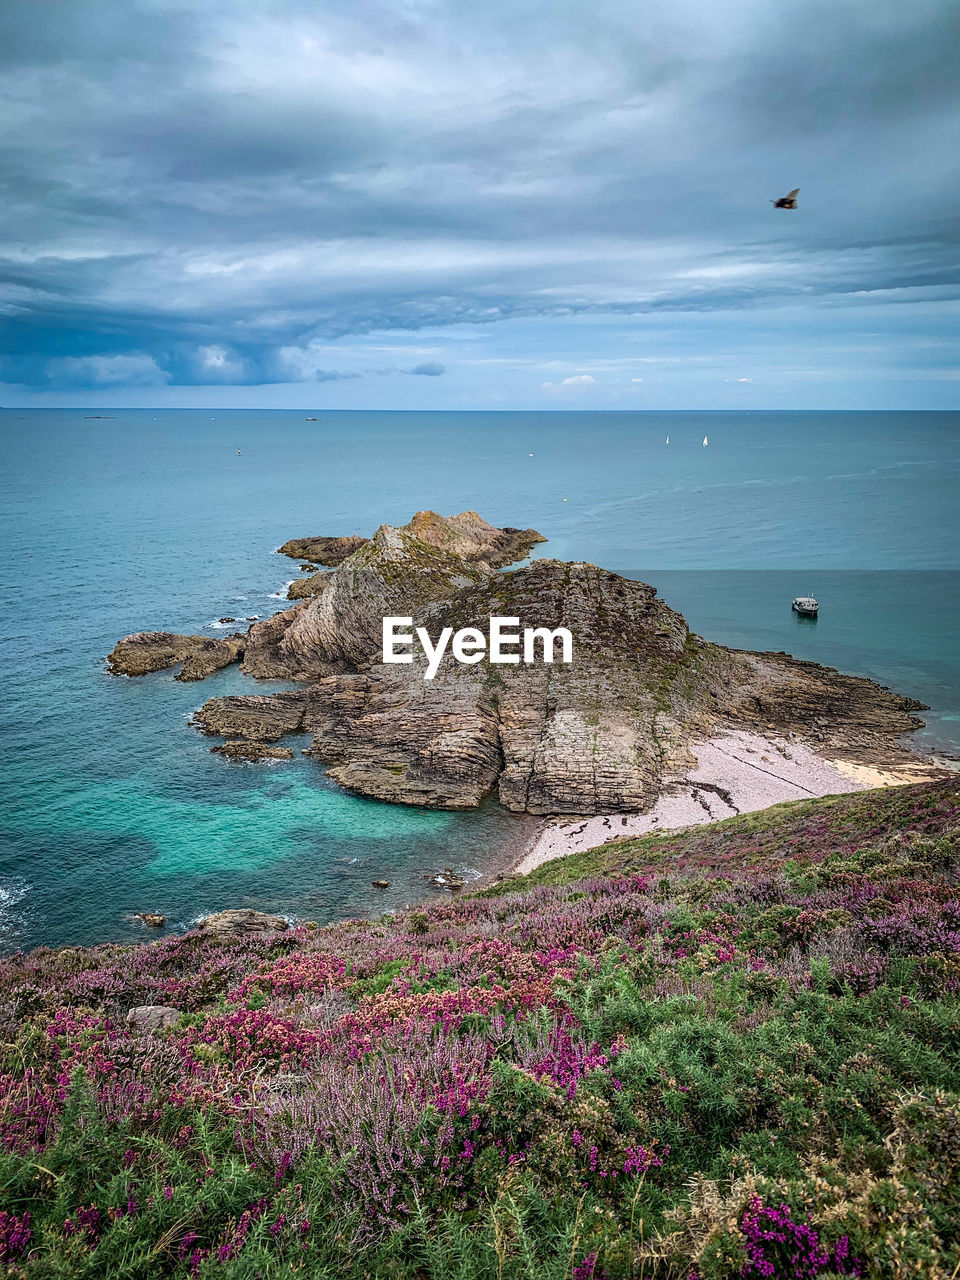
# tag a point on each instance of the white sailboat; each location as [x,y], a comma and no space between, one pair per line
[667,440]
[705,442]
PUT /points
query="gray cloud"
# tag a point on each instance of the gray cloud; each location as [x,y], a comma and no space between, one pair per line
[215,193]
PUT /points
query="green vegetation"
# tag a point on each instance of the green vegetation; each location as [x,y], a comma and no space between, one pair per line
[730,1052]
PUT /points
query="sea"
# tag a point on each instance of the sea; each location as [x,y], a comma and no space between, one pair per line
[113,521]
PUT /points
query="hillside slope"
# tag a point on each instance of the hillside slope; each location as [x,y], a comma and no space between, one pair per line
[730,1052]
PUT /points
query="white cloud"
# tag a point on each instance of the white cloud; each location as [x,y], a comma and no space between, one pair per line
[218,364]
[136,369]
[214,357]
[577,382]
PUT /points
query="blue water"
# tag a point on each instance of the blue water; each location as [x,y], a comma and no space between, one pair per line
[112,804]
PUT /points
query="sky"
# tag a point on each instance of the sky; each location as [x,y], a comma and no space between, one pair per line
[421,204]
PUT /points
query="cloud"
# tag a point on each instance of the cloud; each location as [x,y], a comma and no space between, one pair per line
[226,189]
[578,382]
[134,369]
[429,368]
[304,364]
[217,364]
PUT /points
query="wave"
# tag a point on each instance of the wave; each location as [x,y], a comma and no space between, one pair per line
[282,593]
[11,920]
[12,893]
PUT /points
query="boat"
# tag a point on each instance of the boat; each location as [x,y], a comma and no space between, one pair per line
[806,606]
[705,441]
[668,440]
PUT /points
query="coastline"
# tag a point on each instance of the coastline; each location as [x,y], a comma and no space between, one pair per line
[736,772]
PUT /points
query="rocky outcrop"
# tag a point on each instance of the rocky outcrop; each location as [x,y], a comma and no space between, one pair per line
[337,626]
[329,551]
[148,651]
[148,1018]
[241,921]
[252,751]
[834,712]
[304,588]
[595,734]
[599,734]
[261,717]
[262,658]
[467,535]
[152,919]
[211,656]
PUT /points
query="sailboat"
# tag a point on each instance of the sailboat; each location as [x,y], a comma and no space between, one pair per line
[705,442]
[667,440]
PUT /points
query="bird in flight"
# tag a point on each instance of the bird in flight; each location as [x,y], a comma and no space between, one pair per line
[789,201]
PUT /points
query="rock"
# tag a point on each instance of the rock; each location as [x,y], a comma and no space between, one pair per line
[330,551]
[304,588]
[259,717]
[152,1017]
[285,1083]
[152,919]
[309,568]
[227,619]
[380,884]
[211,656]
[252,617]
[148,651]
[253,751]
[337,626]
[470,536]
[263,657]
[598,735]
[593,735]
[242,921]
[447,880]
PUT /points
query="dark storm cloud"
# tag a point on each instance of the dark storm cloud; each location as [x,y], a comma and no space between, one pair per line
[211,193]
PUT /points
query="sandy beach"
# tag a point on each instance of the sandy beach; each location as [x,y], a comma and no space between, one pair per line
[736,772]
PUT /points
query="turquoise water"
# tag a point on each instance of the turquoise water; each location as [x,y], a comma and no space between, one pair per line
[111,804]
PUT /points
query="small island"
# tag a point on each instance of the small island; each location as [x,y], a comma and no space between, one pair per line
[650,727]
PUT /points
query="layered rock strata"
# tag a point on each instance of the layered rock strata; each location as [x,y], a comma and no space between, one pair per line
[148,651]
[329,551]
